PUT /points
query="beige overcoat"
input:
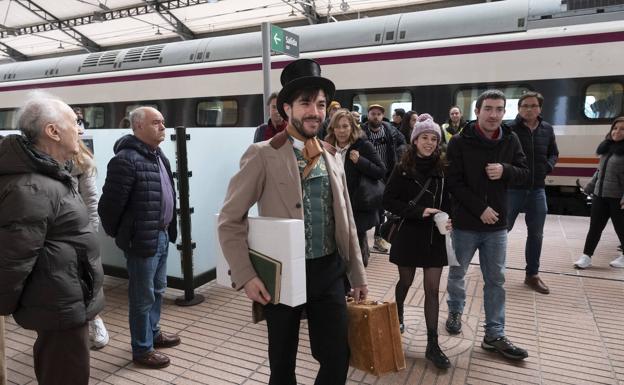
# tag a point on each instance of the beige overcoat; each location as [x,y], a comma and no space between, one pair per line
[269,176]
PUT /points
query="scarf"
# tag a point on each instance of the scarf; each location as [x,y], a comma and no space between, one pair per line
[610,146]
[312,149]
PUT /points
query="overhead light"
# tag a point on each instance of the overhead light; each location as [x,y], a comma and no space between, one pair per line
[292,13]
[98,16]
[158,31]
[60,46]
[344,6]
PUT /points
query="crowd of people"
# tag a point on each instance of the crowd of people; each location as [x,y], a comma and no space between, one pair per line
[315,161]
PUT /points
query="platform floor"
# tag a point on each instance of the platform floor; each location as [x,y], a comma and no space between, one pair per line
[575,335]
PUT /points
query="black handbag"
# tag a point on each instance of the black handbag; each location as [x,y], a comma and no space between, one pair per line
[391,227]
[369,194]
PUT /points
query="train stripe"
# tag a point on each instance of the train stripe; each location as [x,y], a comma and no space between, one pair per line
[598,38]
[578,160]
[573,171]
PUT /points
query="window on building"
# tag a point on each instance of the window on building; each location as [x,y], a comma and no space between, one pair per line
[217,113]
[603,100]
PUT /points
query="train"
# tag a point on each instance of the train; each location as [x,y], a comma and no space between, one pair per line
[424,61]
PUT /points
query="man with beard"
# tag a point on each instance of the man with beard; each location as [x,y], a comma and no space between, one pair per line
[295,175]
[275,125]
[379,133]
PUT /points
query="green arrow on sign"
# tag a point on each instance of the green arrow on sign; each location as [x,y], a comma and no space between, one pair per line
[277,39]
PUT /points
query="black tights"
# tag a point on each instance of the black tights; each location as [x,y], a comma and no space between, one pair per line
[431,283]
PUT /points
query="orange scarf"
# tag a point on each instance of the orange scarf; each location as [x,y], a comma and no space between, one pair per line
[312,149]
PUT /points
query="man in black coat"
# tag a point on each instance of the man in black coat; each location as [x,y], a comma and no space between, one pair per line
[137,207]
[483,160]
[537,138]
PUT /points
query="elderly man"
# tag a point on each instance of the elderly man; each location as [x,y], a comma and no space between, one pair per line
[275,125]
[137,207]
[294,175]
[50,269]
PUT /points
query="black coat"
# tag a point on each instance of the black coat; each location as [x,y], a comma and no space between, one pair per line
[468,154]
[418,243]
[130,202]
[540,149]
[368,164]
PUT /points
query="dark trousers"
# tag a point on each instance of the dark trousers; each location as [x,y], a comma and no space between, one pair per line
[363,240]
[62,356]
[327,324]
[602,209]
[382,219]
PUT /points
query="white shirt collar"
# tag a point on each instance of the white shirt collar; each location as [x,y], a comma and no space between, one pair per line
[298,144]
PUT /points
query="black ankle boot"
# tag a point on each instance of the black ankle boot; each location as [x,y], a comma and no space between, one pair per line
[434,353]
[401,324]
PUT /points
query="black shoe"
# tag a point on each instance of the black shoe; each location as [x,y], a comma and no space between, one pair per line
[401,327]
[504,347]
[436,355]
[453,323]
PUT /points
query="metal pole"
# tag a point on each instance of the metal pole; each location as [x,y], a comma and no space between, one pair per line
[187,245]
[266,66]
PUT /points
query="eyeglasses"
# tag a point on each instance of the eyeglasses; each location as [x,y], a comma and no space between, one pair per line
[529,106]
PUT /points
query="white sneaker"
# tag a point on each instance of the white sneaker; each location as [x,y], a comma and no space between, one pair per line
[379,245]
[583,262]
[617,262]
[97,333]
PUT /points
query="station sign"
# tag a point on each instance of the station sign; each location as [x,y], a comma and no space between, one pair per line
[284,42]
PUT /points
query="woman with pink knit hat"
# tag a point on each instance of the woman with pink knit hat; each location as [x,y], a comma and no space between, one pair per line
[416,191]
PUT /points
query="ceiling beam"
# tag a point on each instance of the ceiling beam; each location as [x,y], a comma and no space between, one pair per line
[12,52]
[179,27]
[105,15]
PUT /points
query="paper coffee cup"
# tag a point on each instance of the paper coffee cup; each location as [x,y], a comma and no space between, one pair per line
[441,219]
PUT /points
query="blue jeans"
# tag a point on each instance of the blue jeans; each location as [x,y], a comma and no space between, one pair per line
[492,248]
[533,203]
[147,281]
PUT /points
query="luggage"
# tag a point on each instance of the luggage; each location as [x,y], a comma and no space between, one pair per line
[374,337]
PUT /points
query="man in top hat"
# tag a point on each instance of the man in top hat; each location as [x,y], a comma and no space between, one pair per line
[295,175]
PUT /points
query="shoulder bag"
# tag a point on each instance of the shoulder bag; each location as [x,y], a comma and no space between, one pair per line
[391,227]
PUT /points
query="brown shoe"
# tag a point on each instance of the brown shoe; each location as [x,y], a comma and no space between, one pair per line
[153,359]
[536,283]
[166,341]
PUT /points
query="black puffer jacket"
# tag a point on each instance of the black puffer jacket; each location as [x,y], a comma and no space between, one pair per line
[540,149]
[50,268]
[468,154]
[130,204]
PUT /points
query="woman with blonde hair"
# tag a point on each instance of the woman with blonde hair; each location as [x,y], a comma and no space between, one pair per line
[364,171]
[84,173]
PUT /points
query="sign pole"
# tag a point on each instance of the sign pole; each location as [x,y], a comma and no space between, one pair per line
[266,67]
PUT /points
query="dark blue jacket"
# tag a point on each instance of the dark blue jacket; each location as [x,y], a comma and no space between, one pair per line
[468,154]
[130,204]
[540,148]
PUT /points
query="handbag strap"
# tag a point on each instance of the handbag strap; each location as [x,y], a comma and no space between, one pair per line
[420,194]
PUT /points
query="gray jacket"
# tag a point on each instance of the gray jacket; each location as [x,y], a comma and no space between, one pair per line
[608,180]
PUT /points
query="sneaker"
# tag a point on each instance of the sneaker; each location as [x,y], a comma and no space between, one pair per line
[379,245]
[453,323]
[504,347]
[618,262]
[583,262]
[97,333]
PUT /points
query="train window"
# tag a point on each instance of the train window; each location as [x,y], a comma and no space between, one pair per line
[603,100]
[389,101]
[131,107]
[8,119]
[217,113]
[466,99]
[94,115]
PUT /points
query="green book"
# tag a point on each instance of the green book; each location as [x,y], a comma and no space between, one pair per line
[269,271]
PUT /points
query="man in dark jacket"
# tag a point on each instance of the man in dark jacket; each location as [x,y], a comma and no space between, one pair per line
[50,269]
[483,159]
[275,125]
[137,207]
[538,143]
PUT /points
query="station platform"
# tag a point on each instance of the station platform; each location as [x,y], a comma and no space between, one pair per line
[575,335]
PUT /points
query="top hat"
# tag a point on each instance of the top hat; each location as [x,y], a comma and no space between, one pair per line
[299,74]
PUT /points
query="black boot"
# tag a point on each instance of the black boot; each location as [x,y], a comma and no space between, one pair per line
[400,311]
[434,353]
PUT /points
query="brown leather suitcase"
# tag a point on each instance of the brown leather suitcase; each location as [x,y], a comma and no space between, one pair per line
[374,337]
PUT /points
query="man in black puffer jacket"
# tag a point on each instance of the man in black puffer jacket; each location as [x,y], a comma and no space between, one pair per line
[137,207]
[538,143]
[484,159]
[50,268]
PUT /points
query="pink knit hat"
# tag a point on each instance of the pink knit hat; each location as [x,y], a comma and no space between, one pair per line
[425,123]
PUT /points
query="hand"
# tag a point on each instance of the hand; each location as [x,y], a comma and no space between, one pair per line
[256,291]
[354,155]
[359,293]
[494,171]
[429,211]
[449,225]
[489,216]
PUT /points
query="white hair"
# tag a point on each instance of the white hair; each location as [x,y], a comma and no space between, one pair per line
[137,116]
[39,110]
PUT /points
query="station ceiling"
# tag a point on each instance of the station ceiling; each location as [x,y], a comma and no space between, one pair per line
[31,29]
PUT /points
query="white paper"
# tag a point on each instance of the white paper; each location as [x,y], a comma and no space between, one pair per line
[450,251]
